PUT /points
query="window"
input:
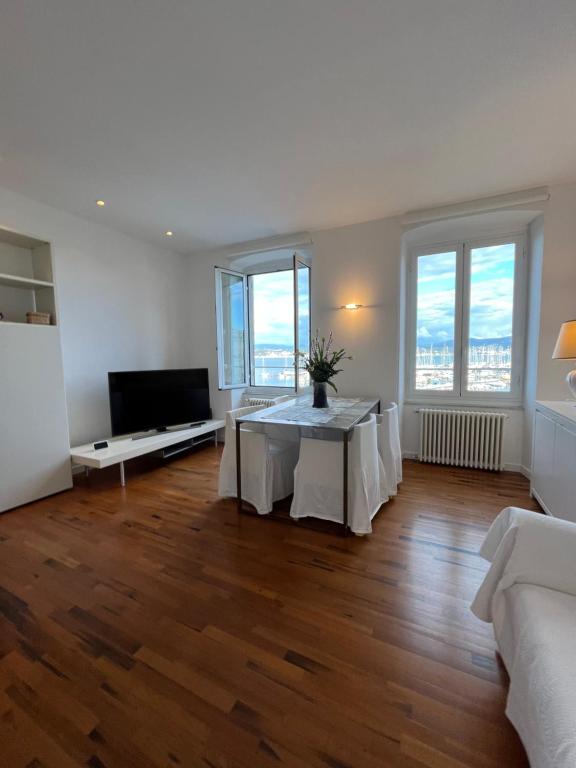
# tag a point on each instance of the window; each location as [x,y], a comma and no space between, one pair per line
[261,320]
[231,311]
[272,329]
[466,321]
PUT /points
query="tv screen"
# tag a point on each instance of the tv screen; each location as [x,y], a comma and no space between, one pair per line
[143,400]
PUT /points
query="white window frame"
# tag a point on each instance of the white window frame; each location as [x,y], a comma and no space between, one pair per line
[259,388]
[459,395]
[218,272]
[297,261]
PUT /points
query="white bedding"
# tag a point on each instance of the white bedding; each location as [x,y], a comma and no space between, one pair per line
[539,550]
[506,519]
[529,593]
[536,640]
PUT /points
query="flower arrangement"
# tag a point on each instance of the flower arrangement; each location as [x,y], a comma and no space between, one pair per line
[321,364]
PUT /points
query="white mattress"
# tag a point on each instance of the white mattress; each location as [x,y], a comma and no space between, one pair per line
[537,640]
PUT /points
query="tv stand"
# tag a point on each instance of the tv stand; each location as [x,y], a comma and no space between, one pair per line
[165,444]
[164,430]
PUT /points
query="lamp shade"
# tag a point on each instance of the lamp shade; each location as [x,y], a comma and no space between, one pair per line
[565,348]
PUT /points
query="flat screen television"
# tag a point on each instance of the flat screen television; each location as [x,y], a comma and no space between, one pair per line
[145,400]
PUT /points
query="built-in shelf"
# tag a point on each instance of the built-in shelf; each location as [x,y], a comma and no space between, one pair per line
[31,376]
[26,278]
[29,283]
[23,322]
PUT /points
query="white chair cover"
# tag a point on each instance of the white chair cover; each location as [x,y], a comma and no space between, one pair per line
[389,449]
[318,479]
[267,465]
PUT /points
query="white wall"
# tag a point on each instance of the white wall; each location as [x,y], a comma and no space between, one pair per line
[202,320]
[354,263]
[123,305]
[558,291]
[552,301]
[511,444]
[489,224]
[362,263]
[536,254]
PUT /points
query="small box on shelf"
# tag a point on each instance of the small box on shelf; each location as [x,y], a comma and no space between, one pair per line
[38,318]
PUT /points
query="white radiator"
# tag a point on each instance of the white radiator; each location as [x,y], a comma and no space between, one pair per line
[267,401]
[461,438]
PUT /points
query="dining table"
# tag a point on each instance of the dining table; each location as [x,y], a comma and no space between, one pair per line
[336,422]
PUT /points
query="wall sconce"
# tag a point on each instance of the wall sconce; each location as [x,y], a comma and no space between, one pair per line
[351,306]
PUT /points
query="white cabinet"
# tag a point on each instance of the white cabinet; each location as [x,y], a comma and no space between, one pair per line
[34,441]
[554,458]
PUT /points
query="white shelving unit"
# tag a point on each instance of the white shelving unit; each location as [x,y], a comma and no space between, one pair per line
[28,283]
[26,278]
[34,444]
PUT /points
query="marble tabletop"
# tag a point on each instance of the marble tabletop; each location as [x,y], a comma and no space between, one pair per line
[342,414]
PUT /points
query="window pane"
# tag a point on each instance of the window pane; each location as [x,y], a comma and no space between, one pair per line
[273,329]
[233,331]
[303,273]
[435,321]
[491,316]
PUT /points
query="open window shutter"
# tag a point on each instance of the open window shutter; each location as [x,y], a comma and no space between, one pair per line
[232,328]
[301,319]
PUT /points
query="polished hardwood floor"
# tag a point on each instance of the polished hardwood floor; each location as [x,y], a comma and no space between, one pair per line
[153,627]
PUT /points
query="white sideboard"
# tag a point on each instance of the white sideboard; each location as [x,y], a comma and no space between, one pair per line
[553,482]
[121,449]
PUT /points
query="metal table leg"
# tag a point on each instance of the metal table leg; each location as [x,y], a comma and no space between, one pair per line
[238,469]
[345,482]
[122,475]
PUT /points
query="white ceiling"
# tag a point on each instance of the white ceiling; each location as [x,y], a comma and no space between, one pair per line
[227,120]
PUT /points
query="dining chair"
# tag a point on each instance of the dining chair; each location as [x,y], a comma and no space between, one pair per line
[267,465]
[318,479]
[389,449]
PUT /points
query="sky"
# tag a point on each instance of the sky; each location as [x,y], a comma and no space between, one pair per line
[491,294]
[273,319]
[491,299]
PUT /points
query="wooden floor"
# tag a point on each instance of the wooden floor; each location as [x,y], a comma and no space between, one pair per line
[151,627]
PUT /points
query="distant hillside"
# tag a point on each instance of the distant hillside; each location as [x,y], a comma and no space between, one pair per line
[430,343]
[273,347]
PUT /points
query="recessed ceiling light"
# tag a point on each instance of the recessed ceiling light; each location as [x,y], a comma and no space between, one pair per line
[168,233]
[101,203]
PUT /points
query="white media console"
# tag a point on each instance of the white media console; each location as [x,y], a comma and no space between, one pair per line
[125,448]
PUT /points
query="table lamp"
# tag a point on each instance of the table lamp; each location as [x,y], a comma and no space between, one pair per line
[565,349]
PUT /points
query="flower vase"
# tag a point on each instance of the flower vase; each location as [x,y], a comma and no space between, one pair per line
[320,395]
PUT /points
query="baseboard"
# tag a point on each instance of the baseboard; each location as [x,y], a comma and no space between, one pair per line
[506,468]
[539,500]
